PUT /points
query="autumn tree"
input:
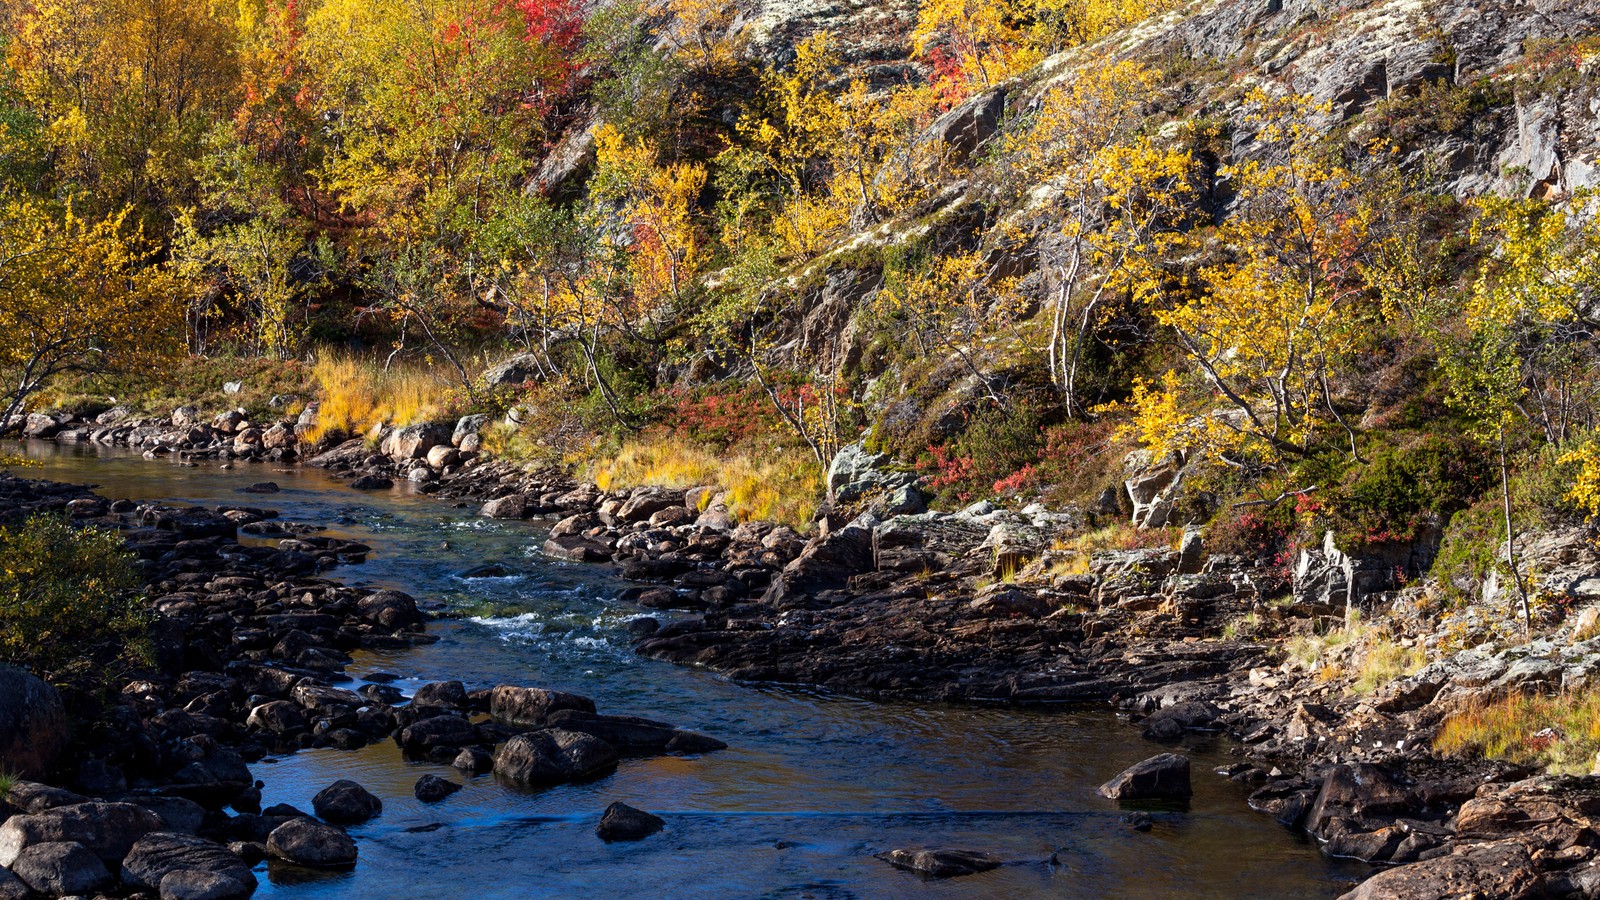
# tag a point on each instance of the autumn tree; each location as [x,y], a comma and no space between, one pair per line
[1272,321]
[1123,199]
[77,295]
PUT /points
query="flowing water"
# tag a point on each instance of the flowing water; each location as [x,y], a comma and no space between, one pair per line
[811,786]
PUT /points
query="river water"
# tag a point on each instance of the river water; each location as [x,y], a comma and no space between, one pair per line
[811,786]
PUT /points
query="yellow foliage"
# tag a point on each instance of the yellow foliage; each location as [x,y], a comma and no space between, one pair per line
[658,203]
[1585,489]
[356,396]
[783,486]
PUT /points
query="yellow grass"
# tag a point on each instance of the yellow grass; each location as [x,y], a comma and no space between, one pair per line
[358,395]
[783,487]
[1385,661]
[1560,732]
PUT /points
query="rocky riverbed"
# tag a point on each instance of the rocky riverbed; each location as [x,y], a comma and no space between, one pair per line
[896,602]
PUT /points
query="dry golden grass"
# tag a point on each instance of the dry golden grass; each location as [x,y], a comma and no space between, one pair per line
[1384,661]
[783,487]
[1560,732]
[358,395]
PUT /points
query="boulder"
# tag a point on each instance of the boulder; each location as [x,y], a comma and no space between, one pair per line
[576,548]
[12,887]
[1164,777]
[438,731]
[372,483]
[277,716]
[414,441]
[391,609]
[1153,487]
[61,869]
[511,705]
[474,760]
[432,788]
[1361,794]
[441,695]
[1170,723]
[855,473]
[1502,870]
[827,563]
[621,822]
[512,371]
[346,803]
[467,426]
[511,506]
[106,829]
[188,867]
[645,502]
[962,130]
[941,863]
[552,756]
[33,723]
[308,842]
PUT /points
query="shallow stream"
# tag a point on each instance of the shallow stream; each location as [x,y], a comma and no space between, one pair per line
[810,788]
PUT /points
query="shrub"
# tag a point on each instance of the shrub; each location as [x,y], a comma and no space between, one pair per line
[69,607]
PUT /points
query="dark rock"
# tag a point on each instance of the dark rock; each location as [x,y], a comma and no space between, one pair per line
[1361,793]
[61,868]
[432,788]
[941,863]
[530,706]
[261,487]
[372,483]
[279,717]
[182,865]
[106,829]
[475,760]
[1172,722]
[1164,777]
[551,757]
[308,842]
[441,695]
[1502,870]
[33,723]
[621,822]
[346,803]
[1139,821]
[439,731]
[577,548]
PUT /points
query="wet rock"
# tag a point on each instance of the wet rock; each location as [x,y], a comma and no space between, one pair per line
[474,760]
[941,863]
[391,609]
[33,723]
[513,506]
[308,842]
[279,717]
[61,868]
[1139,821]
[551,757]
[432,788]
[438,731]
[621,822]
[346,803]
[576,548]
[261,487]
[185,866]
[372,483]
[530,706]
[441,695]
[1164,777]
[1360,797]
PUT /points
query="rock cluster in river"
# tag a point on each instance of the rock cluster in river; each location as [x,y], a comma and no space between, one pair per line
[250,647]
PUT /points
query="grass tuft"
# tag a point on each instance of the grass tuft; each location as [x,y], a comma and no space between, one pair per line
[783,487]
[358,395]
[1560,733]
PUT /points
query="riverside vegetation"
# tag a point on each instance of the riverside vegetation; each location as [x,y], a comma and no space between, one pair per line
[1229,361]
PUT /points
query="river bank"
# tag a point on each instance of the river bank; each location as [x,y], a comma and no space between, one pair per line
[916,607]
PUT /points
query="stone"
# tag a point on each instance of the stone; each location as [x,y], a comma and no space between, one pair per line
[391,609]
[1359,793]
[277,716]
[511,506]
[346,803]
[621,822]
[1172,722]
[441,695]
[441,456]
[414,441]
[61,868]
[438,731]
[827,563]
[12,887]
[474,760]
[432,788]
[372,483]
[1153,489]
[308,842]
[512,705]
[188,867]
[106,829]
[576,548]
[512,371]
[467,426]
[1502,870]
[1164,777]
[941,863]
[552,756]
[855,473]
[33,723]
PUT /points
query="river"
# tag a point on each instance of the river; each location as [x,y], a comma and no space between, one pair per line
[811,786]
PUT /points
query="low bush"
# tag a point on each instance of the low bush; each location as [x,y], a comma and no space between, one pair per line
[69,604]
